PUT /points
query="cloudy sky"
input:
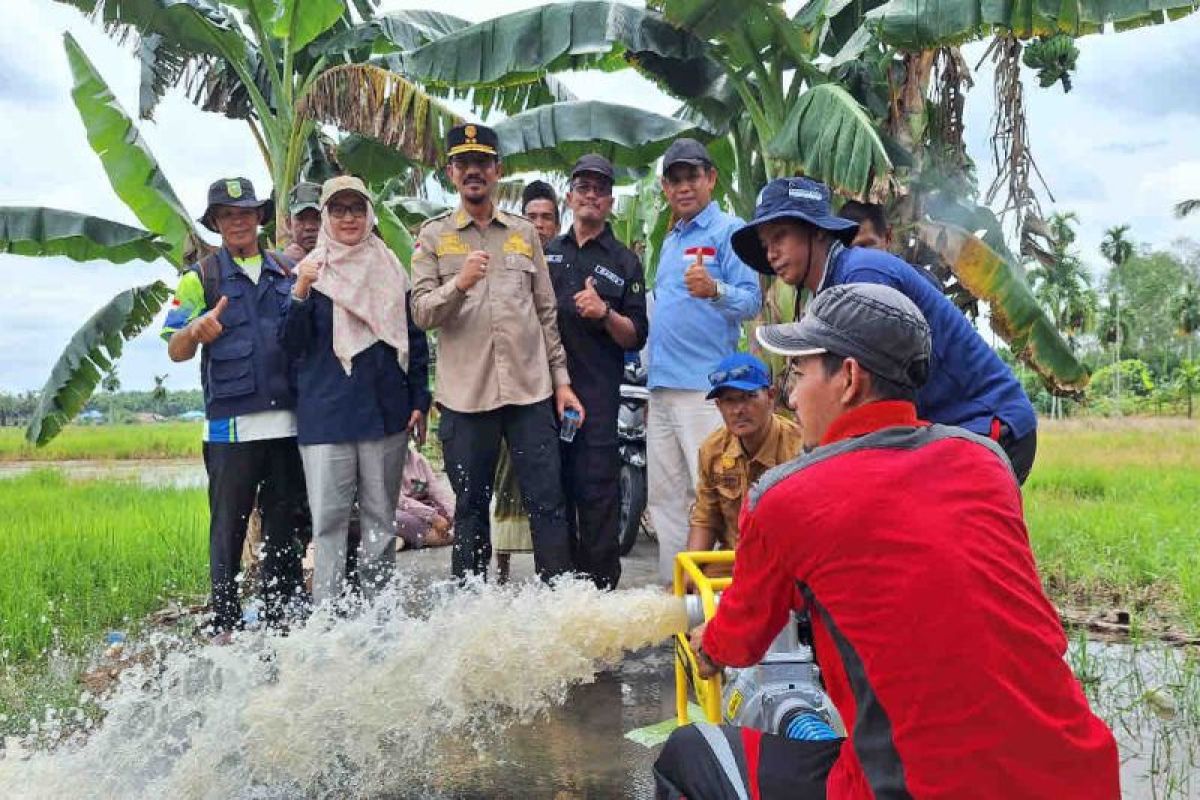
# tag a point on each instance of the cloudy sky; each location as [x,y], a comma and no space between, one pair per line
[1122,147]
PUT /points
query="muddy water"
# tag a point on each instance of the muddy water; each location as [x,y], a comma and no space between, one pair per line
[182,472]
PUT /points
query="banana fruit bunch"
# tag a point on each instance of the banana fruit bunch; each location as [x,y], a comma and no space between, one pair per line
[1053,57]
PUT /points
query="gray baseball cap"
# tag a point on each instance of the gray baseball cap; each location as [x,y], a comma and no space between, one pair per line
[874,324]
[304,195]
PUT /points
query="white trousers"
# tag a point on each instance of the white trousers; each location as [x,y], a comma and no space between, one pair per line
[334,472]
[677,422]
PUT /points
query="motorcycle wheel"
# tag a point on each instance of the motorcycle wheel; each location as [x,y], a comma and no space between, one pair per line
[633,503]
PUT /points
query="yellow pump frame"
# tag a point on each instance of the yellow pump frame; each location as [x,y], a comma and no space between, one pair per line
[708,691]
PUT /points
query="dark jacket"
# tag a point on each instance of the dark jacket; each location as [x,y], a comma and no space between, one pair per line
[968,384]
[377,397]
[244,370]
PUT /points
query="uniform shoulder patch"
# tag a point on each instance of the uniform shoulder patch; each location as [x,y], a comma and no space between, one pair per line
[516,243]
[449,243]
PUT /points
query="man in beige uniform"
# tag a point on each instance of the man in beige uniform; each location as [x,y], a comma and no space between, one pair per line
[480,279]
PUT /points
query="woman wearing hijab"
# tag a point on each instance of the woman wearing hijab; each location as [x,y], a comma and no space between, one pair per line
[362,375]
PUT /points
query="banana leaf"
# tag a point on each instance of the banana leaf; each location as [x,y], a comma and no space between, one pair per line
[370,159]
[831,138]
[551,138]
[26,231]
[524,46]
[1016,314]
[395,32]
[926,24]
[413,211]
[132,170]
[708,19]
[89,355]
[394,234]
[300,21]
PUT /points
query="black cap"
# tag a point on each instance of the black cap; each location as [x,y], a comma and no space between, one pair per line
[472,138]
[304,195]
[789,198]
[874,324]
[686,151]
[236,192]
[593,162]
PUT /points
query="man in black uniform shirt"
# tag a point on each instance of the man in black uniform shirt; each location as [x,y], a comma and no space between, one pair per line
[601,293]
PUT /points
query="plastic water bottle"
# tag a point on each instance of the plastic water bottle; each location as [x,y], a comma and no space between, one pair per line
[570,424]
[809,728]
[114,637]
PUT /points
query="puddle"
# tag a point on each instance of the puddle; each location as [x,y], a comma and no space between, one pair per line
[181,473]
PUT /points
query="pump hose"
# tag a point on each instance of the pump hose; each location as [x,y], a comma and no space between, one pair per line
[808,727]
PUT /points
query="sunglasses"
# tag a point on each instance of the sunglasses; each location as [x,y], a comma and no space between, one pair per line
[735,374]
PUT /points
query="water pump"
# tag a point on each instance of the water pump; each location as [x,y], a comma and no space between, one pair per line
[782,694]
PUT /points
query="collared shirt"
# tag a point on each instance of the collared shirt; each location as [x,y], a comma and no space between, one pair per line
[595,361]
[968,384]
[727,473]
[497,343]
[691,335]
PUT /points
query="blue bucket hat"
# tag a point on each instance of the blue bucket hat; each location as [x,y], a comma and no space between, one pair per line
[789,198]
[739,371]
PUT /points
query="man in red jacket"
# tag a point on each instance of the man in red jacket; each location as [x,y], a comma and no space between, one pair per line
[906,544]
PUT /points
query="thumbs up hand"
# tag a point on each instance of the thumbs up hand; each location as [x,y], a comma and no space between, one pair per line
[588,302]
[207,327]
[697,280]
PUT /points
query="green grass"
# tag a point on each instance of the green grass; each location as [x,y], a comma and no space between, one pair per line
[83,557]
[157,440]
[1114,516]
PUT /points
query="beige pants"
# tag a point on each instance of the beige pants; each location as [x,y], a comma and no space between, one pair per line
[677,423]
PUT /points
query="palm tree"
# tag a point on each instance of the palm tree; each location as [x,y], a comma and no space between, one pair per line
[1117,250]
[1187,314]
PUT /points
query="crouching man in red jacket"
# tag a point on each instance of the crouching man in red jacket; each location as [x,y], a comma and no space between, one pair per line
[906,544]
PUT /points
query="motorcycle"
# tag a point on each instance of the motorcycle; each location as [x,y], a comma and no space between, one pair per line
[631,444]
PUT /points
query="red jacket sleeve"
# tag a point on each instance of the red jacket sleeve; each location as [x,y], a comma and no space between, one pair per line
[755,607]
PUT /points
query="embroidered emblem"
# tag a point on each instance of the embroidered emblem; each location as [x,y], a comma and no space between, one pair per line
[234,188]
[516,243]
[451,244]
[612,277]
[470,132]
[554,258]
[636,287]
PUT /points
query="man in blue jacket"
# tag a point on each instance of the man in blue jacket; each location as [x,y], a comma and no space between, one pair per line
[702,295]
[795,236]
[230,306]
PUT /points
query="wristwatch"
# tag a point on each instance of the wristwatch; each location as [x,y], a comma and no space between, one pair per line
[720,292]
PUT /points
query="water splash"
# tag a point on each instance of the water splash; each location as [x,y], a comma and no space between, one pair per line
[347,708]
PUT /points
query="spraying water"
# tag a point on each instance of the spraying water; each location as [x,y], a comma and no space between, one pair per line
[346,707]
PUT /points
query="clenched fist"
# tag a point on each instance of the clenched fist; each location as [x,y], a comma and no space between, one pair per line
[207,327]
[473,271]
[306,276]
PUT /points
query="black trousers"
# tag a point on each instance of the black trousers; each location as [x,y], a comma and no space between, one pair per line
[238,472]
[471,447]
[591,483]
[1021,452]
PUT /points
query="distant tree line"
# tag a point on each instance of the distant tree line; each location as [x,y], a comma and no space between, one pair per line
[114,406]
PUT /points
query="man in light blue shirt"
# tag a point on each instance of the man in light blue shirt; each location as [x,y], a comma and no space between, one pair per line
[703,292]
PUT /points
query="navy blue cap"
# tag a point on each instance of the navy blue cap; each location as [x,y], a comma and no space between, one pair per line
[739,371]
[789,198]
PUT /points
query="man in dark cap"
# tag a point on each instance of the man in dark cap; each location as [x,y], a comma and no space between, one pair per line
[601,291]
[702,295]
[539,204]
[795,236]
[304,220]
[905,543]
[479,277]
[230,306]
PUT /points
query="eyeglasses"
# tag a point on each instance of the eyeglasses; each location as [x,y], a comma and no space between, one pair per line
[587,187]
[735,374]
[339,211]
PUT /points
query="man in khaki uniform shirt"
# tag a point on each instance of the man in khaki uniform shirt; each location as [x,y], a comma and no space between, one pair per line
[733,457]
[479,278]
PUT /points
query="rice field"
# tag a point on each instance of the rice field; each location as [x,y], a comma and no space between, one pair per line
[106,442]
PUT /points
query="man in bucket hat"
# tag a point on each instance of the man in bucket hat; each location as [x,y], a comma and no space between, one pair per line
[905,543]
[795,236]
[230,306]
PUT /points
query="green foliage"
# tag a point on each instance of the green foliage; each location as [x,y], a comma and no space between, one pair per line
[83,557]
[1147,283]
[50,232]
[90,354]
[119,442]
[1053,57]
[1135,377]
